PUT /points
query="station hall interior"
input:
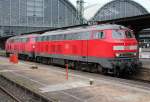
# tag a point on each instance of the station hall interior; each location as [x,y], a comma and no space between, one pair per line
[25,16]
[74,51]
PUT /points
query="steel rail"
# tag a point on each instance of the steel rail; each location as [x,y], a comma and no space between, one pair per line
[10,94]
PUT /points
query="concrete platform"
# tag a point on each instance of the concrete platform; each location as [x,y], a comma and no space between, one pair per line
[145,62]
[51,82]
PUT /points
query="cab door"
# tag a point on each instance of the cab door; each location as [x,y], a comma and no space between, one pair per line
[85,36]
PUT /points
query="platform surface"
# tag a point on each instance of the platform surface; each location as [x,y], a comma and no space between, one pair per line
[51,82]
[145,62]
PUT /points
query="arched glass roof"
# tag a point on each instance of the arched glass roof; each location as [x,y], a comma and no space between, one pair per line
[119,9]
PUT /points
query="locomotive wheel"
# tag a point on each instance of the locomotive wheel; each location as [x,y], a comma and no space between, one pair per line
[92,68]
[44,60]
[49,61]
[116,72]
[77,66]
[99,69]
[37,59]
[83,68]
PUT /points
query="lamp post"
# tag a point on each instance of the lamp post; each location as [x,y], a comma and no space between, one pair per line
[80,10]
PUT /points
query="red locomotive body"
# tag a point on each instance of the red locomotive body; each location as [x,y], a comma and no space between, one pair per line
[110,48]
[107,48]
[22,45]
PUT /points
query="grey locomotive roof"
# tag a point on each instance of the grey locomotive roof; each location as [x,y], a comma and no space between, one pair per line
[24,36]
[82,29]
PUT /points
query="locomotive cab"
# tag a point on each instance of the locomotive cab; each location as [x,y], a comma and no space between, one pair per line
[125,44]
[125,51]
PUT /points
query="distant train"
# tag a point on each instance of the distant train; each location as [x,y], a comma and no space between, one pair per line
[100,48]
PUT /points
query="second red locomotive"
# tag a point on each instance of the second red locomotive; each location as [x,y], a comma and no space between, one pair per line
[104,48]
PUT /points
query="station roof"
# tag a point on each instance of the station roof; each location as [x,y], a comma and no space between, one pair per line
[96,5]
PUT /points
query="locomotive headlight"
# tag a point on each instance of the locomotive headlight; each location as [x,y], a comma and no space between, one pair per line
[133,47]
[117,54]
[118,48]
[135,54]
[33,46]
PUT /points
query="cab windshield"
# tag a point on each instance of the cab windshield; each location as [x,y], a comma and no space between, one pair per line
[122,34]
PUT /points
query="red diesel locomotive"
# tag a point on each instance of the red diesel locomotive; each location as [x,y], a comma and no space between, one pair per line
[104,48]
[22,45]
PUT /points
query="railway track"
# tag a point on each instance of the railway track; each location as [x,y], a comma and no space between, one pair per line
[6,96]
[124,78]
[13,92]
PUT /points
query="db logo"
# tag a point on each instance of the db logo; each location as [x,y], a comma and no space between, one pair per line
[66,46]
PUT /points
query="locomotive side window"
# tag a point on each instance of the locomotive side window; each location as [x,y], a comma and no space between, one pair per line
[42,38]
[27,39]
[45,38]
[37,39]
[24,40]
[117,34]
[85,35]
[53,37]
[99,35]
[80,36]
[121,34]
[69,37]
[129,34]
[49,37]
[61,37]
[75,36]
[65,36]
